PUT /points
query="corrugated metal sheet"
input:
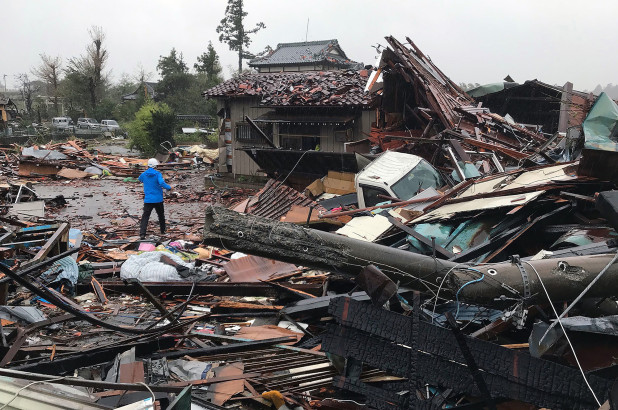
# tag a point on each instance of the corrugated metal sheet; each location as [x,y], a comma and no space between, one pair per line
[253,269]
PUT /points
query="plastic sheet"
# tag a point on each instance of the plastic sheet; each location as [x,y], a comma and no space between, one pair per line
[147,267]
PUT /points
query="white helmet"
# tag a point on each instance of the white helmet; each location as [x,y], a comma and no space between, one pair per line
[152,163]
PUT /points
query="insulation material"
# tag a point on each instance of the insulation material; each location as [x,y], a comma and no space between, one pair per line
[367,228]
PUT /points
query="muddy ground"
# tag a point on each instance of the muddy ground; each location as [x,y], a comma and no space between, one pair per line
[112,202]
[97,203]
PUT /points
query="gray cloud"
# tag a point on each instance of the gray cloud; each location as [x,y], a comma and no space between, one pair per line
[471,41]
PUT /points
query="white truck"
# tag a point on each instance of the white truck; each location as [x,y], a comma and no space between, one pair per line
[62,123]
[396,175]
[109,125]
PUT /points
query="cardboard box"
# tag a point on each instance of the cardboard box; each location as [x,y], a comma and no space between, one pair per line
[338,183]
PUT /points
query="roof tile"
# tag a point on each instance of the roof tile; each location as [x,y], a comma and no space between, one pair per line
[324,88]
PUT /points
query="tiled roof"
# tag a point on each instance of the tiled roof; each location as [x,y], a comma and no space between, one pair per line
[306,53]
[308,88]
[275,200]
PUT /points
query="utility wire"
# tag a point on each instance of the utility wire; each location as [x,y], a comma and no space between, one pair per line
[565,333]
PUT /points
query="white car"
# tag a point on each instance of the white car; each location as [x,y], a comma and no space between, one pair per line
[88,123]
[109,125]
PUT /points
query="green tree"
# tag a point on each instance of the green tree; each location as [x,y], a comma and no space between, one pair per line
[232,30]
[208,63]
[74,88]
[154,123]
[175,81]
[172,64]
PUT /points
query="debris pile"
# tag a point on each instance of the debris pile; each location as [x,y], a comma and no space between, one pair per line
[468,261]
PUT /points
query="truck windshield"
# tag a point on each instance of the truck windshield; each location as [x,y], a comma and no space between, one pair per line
[419,178]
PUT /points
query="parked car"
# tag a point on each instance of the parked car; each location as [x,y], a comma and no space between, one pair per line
[88,123]
[109,125]
[62,123]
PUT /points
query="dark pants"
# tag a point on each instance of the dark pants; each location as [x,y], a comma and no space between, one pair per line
[158,206]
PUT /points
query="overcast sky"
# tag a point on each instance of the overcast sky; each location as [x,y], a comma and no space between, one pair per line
[471,41]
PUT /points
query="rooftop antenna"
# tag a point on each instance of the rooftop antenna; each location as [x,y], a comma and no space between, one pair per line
[307,31]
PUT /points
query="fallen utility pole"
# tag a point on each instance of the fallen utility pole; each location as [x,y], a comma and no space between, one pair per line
[322,250]
[491,284]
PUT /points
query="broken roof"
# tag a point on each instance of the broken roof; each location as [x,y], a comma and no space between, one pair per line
[441,94]
[309,88]
[306,52]
[5,100]
[150,87]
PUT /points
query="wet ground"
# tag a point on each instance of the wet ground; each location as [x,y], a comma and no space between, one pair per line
[98,203]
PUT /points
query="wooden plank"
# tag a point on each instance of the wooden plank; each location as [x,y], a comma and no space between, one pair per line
[61,234]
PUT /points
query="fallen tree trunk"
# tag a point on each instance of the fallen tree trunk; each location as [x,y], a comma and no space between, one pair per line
[564,278]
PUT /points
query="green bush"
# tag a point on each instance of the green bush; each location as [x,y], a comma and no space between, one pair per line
[153,124]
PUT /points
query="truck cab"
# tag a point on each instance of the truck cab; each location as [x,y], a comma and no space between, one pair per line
[396,175]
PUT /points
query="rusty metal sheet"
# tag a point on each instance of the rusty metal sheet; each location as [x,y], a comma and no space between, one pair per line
[33,168]
[221,392]
[253,269]
[131,372]
[268,332]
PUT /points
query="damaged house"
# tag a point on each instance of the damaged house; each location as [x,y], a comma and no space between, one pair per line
[146,88]
[297,109]
[8,111]
[553,108]
[325,55]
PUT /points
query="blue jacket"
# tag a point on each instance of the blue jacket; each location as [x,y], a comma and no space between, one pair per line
[153,186]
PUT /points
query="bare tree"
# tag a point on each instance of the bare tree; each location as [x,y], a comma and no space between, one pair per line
[97,56]
[49,72]
[27,89]
[90,66]
[142,75]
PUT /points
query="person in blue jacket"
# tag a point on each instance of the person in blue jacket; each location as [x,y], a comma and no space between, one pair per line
[153,196]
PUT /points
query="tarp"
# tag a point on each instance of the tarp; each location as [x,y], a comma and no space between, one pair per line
[490,88]
[42,154]
[147,267]
[600,126]
[485,89]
